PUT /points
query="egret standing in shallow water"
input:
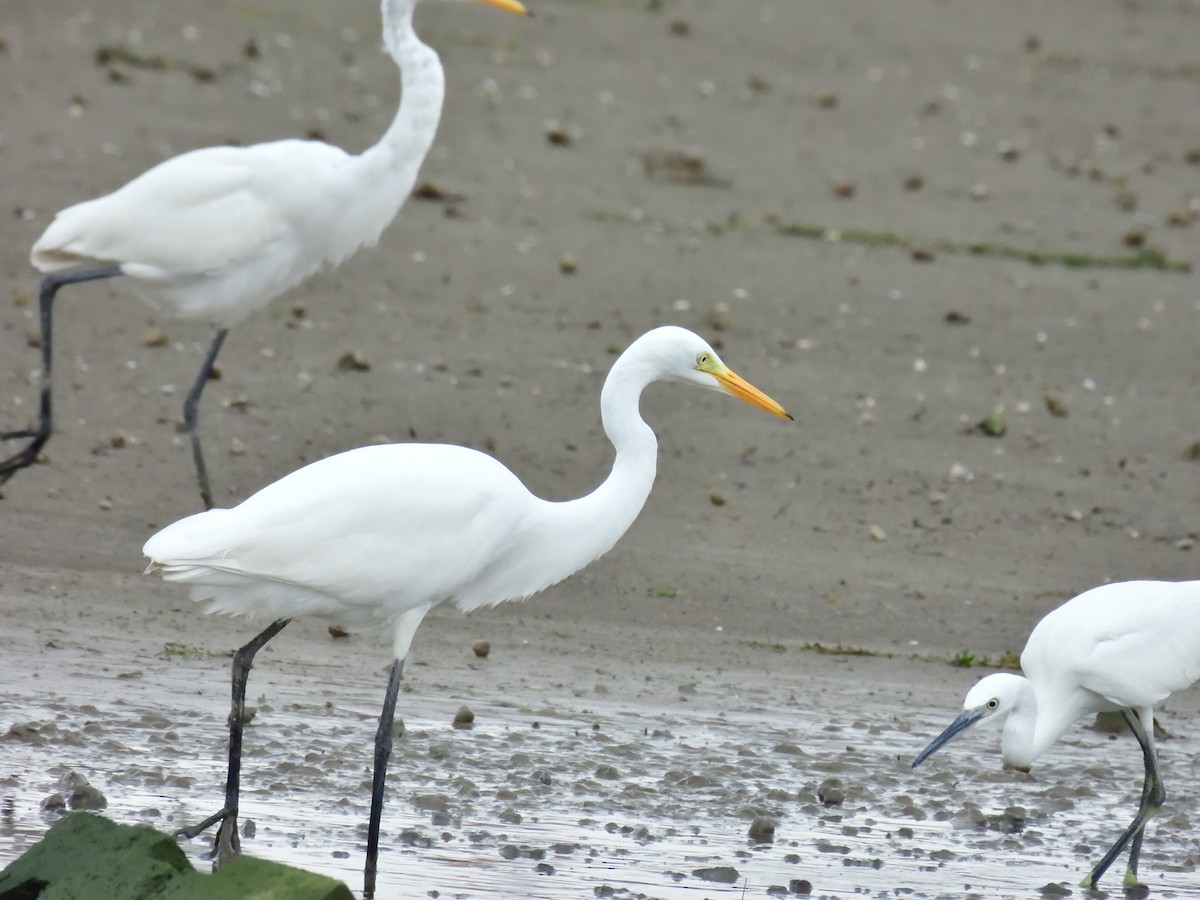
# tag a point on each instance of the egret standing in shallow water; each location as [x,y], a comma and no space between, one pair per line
[1124,646]
[380,535]
[216,234]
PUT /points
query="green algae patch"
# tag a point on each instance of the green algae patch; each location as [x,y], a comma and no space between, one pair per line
[85,855]
[248,878]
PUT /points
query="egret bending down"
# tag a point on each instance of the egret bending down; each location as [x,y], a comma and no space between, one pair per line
[1124,646]
[216,234]
[380,535]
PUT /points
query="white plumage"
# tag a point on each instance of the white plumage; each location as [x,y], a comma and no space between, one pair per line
[380,535]
[216,234]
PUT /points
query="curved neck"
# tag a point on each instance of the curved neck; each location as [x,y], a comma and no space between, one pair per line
[587,528]
[396,158]
[1027,735]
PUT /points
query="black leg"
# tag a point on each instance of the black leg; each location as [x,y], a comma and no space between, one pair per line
[383,751]
[1153,797]
[50,285]
[191,413]
[227,844]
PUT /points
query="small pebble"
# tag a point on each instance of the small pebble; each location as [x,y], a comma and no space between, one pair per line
[762,830]
[831,793]
[481,649]
[154,337]
[464,718]
[1056,405]
[353,361]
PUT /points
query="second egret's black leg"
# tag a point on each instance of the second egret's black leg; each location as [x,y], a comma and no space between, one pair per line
[383,751]
[50,285]
[191,414]
[227,844]
[1153,797]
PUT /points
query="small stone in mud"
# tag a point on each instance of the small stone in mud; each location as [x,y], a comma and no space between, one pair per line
[154,337]
[914,182]
[609,773]
[716,498]
[680,27]
[510,851]
[249,829]
[83,795]
[954,317]
[1056,890]
[121,439]
[481,649]
[353,361]
[1192,453]
[831,793]
[1056,405]
[845,189]
[800,886]
[717,874]
[558,135]
[544,869]
[568,264]
[337,631]
[762,830]
[54,803]
[464,718]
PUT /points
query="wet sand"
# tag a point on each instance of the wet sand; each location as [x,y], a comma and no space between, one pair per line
[674,683]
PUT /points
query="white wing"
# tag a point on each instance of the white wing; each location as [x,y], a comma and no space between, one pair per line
[1133,643]
[201,211]
[361,537]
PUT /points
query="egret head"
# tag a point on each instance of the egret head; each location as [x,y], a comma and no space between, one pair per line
[989,700]
[680,355]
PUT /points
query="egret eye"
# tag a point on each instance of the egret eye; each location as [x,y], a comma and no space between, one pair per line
[993,703]
[703,359]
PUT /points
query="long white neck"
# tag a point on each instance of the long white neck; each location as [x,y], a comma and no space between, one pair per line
[587,528]
[1027,734]
[391,166]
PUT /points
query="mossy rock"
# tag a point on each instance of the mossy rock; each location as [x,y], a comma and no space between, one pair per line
[87,857]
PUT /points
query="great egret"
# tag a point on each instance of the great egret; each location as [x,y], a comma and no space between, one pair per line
[380,535]
[1123,646]
[216,234]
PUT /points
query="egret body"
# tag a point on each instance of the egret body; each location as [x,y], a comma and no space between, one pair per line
[379,535]
[216,234]
[1120,647]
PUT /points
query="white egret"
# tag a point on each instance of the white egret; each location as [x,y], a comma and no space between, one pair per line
[1124,646]
[216,234]
[380,535]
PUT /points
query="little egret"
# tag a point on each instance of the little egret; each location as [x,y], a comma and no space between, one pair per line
[1124,646]
[216,234]
[379,535]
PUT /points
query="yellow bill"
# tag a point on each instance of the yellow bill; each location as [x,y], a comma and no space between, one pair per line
[735,384]
[508,6]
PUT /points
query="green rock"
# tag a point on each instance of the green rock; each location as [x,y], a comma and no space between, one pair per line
[85,855]
[248,878]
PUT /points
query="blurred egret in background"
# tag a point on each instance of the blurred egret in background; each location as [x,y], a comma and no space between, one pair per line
[216,234]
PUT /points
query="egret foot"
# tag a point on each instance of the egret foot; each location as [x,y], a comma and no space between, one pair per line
[226,845]
[27,456]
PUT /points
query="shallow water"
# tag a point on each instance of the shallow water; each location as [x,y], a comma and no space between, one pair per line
[617,799]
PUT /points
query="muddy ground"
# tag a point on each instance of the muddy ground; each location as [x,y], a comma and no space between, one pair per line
[634,721]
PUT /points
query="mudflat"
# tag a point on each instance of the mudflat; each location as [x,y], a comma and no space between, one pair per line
[953,239]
